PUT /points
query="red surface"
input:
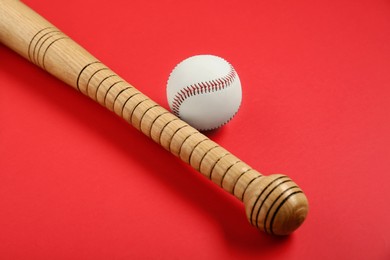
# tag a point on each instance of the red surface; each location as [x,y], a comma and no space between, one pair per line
[76,182]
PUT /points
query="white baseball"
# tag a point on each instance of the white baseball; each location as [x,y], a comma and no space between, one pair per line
[205,91]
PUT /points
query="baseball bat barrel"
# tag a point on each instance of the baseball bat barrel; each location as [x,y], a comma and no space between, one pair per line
[274,204]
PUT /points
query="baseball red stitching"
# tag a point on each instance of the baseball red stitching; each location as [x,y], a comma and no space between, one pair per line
[202,88]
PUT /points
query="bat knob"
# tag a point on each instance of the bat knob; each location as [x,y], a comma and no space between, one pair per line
[275,204]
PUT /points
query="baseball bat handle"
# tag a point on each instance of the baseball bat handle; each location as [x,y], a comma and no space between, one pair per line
[274,204]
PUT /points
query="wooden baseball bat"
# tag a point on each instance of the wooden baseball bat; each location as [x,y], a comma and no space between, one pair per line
[274,204]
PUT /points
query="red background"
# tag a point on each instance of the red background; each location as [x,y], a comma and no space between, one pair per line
[77,182]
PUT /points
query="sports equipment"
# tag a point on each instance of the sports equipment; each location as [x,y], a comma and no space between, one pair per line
[274,204]
[204,91]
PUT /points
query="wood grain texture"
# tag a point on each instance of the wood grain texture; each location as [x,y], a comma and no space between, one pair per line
[274,204]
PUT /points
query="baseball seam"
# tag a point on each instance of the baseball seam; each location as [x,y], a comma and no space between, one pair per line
[202,88]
